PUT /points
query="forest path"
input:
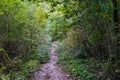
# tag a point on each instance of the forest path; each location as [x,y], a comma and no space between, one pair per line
[50,71]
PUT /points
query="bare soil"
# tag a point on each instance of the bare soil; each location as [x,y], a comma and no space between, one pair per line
[51,71]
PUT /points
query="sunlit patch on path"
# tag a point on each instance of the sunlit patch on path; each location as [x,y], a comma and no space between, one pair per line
[50,71]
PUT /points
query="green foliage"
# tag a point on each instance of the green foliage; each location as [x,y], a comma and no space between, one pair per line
[78,68]
[95,38]
[87,33]
[23,39]
[90,38]
[81,70]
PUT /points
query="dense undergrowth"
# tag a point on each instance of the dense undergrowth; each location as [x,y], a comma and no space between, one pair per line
[23,67]
[86,68]
[90,34]
[87,33]
[24,45]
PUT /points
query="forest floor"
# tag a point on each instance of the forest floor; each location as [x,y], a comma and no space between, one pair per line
[50,70]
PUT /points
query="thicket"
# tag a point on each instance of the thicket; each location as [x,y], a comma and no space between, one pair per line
[23,40]
[90,34]
[87,33]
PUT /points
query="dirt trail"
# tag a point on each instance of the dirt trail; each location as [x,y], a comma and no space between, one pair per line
[50,71]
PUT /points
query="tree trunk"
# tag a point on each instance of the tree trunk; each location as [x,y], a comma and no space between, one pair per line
[116,30]
[116,22]
[115,14]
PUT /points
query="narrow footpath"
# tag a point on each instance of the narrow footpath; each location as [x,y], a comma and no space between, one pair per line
[51,71]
